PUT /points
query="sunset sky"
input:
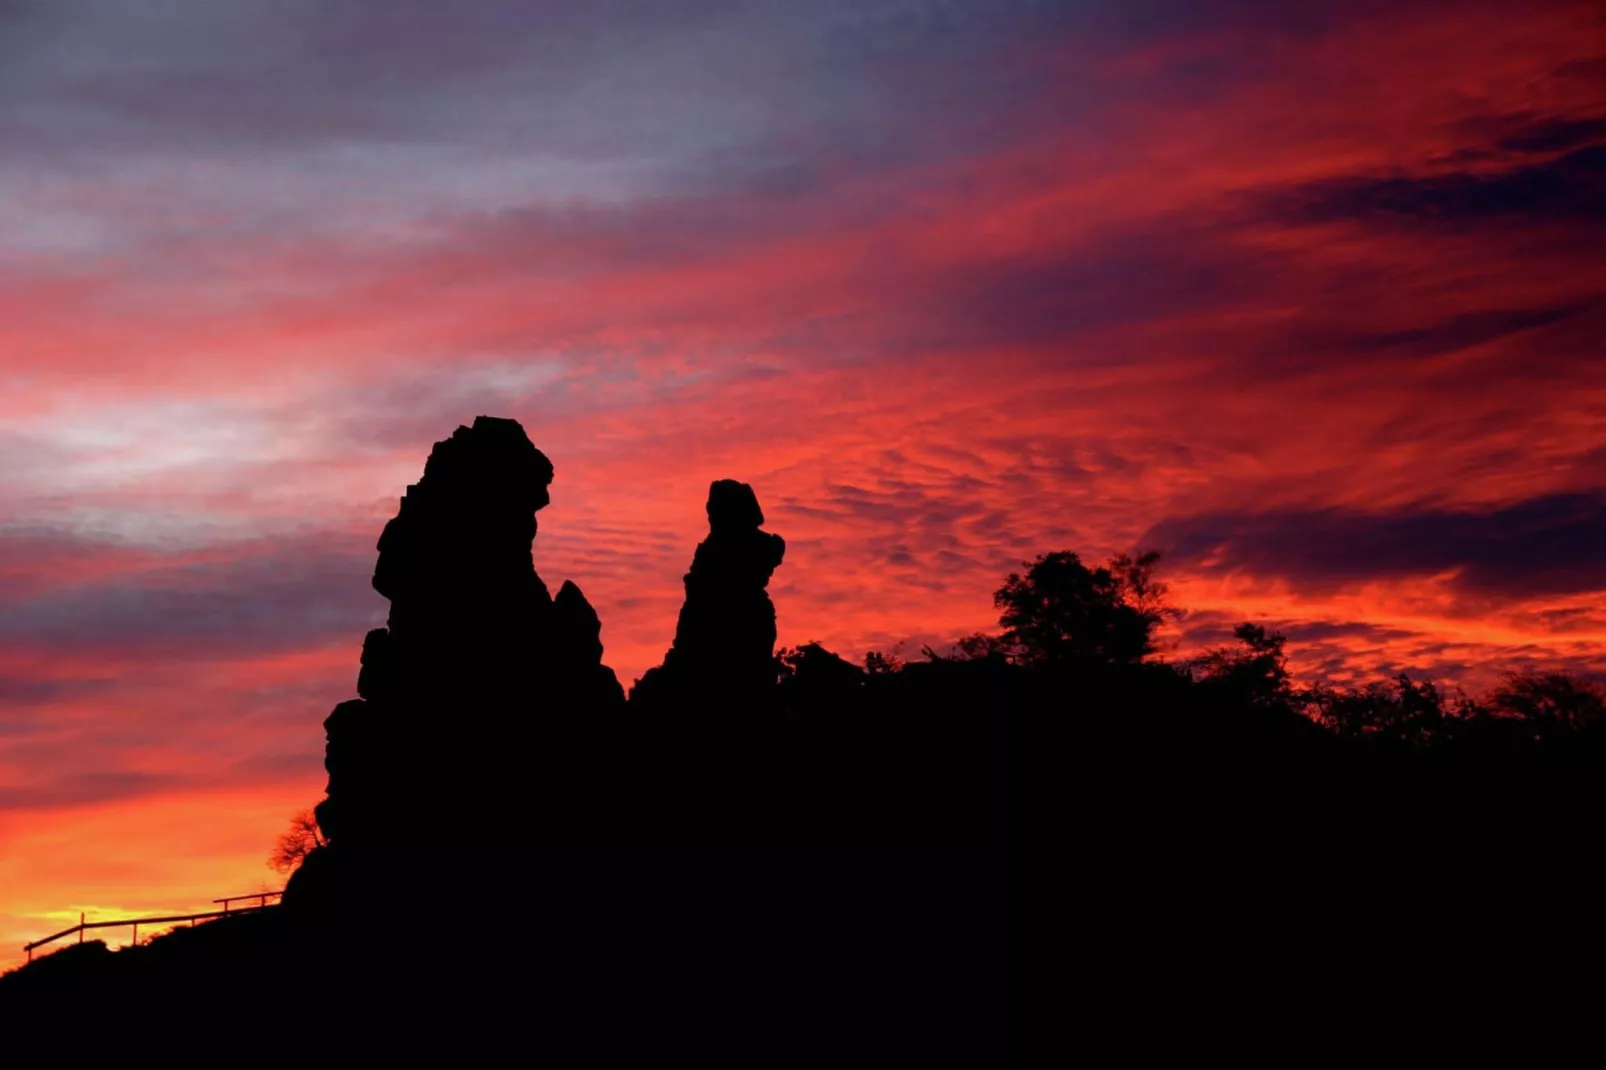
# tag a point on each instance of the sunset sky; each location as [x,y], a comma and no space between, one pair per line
[1310,297]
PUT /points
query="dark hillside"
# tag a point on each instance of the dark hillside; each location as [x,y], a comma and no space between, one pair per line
[760,857]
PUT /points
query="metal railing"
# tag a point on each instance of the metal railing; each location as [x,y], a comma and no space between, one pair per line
[170,919]
[263,898]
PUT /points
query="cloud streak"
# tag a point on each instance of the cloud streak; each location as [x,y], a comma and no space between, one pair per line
[1543,546]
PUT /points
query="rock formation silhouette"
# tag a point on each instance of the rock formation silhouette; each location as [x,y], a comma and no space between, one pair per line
[724,649]
[1216,814]
[576,655]
[478,675]
[486,717]
[490,764]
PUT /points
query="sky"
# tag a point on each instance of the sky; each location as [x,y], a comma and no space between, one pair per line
[1311,300]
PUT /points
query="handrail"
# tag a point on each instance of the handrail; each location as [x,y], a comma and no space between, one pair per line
[263,896]
[161,920]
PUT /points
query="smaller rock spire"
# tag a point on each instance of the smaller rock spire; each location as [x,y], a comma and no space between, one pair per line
[724,646]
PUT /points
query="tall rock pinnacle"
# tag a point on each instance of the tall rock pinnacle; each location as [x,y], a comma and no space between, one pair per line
[724,647]
[476,657]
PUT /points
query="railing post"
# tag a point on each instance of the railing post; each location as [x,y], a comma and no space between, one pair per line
[80,926]
[136,935]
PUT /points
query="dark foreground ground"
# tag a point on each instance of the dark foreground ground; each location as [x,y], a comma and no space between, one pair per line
[907,881]
[750,956]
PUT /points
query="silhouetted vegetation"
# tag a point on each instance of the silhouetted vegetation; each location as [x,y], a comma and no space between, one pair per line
[1063,613]
[296,843]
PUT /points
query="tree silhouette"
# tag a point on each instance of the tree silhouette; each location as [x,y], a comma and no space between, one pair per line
[1403,712]
[811,669]
[1551,703]
[880,663]
[296,843]
[1254,672]
[978,646]
[1062,612]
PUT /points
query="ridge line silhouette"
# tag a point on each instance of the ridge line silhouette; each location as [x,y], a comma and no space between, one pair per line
[760,850]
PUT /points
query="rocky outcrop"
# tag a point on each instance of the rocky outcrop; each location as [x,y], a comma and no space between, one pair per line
[724,648]
[577,669]
[446,741]
[485,718]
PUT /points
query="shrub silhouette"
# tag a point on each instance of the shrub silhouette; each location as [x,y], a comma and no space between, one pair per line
[1403,712]
[1254,673]
[1062,612]
[296,843]
[1551,704]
